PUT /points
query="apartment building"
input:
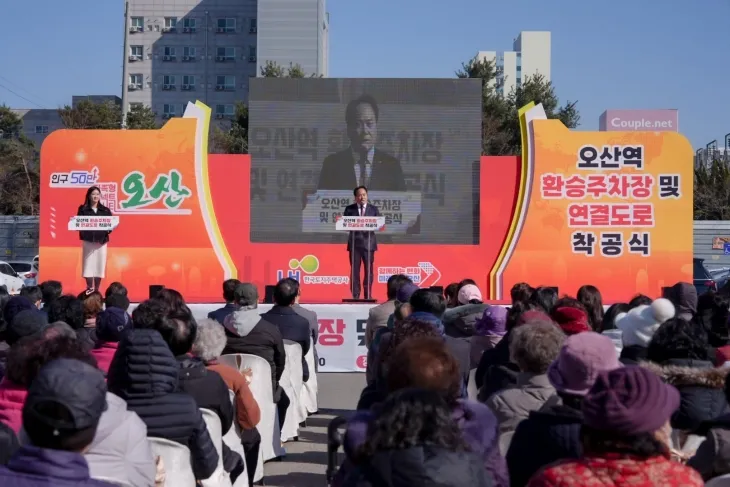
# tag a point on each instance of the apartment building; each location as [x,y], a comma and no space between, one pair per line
[530,55]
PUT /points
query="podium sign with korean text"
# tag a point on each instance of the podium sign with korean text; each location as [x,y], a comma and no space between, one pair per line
[94,223]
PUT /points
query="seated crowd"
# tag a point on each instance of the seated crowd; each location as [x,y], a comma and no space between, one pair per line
[87,390]
[549,391]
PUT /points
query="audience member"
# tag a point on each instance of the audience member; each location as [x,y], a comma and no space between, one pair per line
[683,296]
[149,313]
[229,296]
[119,301]
[425,362]
[639,325]
[4,298]
[34,295]
[51,290]
[205,386]
[176,304]
[115,288]
[416,441]
[111,325]
[679,355]
[451,295]
[489,331]
[552,433]
[60,416]
[608,326]
[533,348]
[378,315]
[640,300]
[544,298]
[208,346]
[590,297]
[712,458]
[311,318]
[401,311]
[520,293]
[145,374]
[459,322]
[291,325]
[713,315]
[93,304]
[247,332]
[70,310]
[625,436]
[571,316]
[15,305]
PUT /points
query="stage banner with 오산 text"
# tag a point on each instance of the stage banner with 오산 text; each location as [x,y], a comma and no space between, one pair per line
[612,209]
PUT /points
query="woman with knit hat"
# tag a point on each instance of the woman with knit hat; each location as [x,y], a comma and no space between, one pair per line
[625,436]
[553,432]
[638,326]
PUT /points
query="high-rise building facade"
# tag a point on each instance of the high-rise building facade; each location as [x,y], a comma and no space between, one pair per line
[207,50]
[530,55]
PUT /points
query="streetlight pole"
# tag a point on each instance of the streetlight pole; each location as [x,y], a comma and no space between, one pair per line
[125,103]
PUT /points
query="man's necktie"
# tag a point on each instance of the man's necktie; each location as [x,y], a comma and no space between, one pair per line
[362,210]
[364,177]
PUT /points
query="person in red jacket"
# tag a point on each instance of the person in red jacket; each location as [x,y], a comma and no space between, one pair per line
[625,435]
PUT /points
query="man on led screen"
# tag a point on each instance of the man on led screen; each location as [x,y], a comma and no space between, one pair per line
[362,164]
[361,246]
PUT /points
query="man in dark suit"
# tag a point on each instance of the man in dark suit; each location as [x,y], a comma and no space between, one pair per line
[229,294]
[362,164]
[361,245]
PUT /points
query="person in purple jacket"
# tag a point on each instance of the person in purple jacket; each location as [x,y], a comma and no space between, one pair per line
[427,363]
[60,418]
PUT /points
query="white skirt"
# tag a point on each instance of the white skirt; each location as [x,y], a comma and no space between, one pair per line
[94,260]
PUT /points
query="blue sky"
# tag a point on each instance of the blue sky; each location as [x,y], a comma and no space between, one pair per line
[606,54]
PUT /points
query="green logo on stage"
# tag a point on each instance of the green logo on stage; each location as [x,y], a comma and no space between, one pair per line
[309,264]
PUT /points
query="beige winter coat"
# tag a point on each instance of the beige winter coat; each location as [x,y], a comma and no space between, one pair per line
[514,404]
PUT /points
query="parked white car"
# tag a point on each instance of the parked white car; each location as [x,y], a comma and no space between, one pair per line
[10,279]
[28,271]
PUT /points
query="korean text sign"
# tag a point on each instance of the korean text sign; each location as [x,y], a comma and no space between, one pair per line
[611,209]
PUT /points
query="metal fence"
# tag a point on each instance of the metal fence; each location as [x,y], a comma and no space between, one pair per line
[18,237]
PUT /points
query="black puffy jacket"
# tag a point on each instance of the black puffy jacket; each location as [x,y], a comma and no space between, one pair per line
[700,387]
[95,236]
[421,466]
[145,374]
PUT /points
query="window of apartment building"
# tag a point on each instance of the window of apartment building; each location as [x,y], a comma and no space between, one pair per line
[252,26]
[252,53]
[137,24]
[41,129]
[227,24]
[190,25]
[188,82]
[136,52]
[225,54]
[168,109]
[224,111]
[225,83]
[169,54]
[168,82]
[135,81]
[170,23]
[189,53]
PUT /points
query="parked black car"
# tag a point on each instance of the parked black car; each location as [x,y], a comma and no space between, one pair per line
[706,280]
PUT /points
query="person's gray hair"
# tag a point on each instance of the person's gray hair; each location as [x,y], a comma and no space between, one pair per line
[535,346]
[210,340]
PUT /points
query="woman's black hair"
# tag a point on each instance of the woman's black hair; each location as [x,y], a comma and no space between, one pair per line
[590,298]
[678,339]
[410,418]
[640,300]
[609,318]
[713,311]
[644,445]
[176,303]
[26,357]
[545,298]
[87,202]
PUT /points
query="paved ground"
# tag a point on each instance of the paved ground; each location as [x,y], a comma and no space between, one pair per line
[306,459]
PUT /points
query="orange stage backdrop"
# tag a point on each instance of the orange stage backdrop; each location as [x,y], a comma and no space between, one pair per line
[550,219]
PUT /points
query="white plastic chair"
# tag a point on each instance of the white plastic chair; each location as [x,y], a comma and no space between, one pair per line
[220,477]
[176,457]
[233,440]
[471,389]
[721,481]
[291,382]
[310,389]
[261,389]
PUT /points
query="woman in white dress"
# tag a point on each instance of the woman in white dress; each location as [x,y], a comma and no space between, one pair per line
[94,241]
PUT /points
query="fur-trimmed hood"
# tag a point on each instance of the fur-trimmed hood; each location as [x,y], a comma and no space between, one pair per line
[690,373]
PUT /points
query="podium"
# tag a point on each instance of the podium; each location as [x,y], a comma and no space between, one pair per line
[367,225]
[93,223]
